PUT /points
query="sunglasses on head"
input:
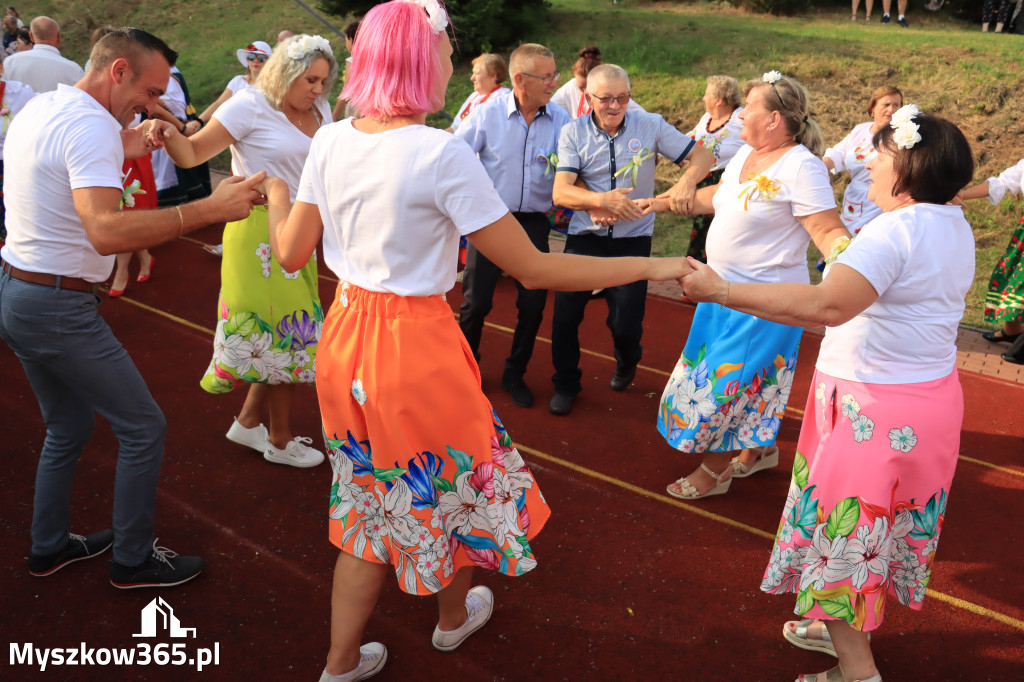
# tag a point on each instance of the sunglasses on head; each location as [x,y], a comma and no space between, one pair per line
[253,57]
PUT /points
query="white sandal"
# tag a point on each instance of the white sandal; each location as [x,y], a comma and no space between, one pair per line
[797,636]
[835,675]
[687,491]
[768,459]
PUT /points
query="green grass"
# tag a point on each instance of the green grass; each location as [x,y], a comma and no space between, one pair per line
[669,48]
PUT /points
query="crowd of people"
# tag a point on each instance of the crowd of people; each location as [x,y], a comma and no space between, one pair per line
[428,490]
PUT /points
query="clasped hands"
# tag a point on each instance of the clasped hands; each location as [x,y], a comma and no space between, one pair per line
[616,205]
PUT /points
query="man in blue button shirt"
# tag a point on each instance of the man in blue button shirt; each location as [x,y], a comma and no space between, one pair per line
[516,136]
[614,153]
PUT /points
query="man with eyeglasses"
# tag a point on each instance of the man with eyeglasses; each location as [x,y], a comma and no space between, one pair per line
[516,137]
[614,152]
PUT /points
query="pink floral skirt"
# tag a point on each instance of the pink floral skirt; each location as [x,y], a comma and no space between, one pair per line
[871,478]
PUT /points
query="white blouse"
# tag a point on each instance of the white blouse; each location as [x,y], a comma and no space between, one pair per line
[473,102]
[1009,181]
[851,154]
[724,142]
[755,235]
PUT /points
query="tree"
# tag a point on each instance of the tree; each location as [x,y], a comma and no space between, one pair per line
[480,25]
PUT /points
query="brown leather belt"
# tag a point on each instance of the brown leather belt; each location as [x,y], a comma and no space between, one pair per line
[47,280]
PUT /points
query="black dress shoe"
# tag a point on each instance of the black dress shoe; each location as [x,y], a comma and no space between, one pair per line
[520,392]
[561,404]
[622,378]
[999,336]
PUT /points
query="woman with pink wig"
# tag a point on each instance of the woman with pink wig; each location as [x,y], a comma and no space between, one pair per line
[427,483]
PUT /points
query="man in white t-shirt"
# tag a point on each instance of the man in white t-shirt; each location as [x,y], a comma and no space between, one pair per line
[42,68]
[63,191]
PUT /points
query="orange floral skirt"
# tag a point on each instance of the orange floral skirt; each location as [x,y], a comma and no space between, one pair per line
[425,477]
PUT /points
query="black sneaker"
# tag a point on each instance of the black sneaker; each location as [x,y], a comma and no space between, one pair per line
[885,18]
[902,21]
[520,392]
[163,568]
[79,547]
[561,404]
[622,378]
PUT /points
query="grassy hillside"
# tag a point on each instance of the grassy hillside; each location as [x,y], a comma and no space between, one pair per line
[944,66]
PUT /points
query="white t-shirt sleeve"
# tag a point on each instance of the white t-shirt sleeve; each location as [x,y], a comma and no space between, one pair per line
[1007,181]
[811,189]
[237,115]
[237,84]
[879,253]
[90,161]
[463,191]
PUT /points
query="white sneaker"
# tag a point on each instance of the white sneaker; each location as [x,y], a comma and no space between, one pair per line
[256,438]
[297,453]
[479,606]
[372,658]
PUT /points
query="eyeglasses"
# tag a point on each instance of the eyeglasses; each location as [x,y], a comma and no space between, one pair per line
[607,101]
[553,78]
[252,57]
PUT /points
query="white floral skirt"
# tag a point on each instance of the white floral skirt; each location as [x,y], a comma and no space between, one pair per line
[730,387]
[871,478]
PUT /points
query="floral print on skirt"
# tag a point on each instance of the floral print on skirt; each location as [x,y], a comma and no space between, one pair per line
[730,387]
[866,504]
[269,320]
[1005,299]
[426,478]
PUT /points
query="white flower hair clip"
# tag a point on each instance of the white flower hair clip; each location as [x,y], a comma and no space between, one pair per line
[905,133]
[771,77]
[302,47]
[437,17]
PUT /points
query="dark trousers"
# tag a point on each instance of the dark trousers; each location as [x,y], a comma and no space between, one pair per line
[478,282]
[625,312]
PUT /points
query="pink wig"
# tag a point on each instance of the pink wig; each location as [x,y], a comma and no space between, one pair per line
[395,67]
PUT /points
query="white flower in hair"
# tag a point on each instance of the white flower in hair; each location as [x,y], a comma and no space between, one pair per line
[298,49]
[437,17]
[905,131]
[771,77]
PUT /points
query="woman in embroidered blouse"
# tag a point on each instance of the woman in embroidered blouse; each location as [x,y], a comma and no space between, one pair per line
[269,318]
[427,483]
[855,151]
[719,132]
[881,431]
[489,72]
[729,390]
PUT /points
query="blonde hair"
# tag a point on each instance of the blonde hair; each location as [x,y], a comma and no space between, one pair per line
[494,65]
[280,71]
[725,88]
[790,99]
[525,54]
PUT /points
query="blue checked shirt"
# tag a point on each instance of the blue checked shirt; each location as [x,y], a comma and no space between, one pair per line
[606,163]
[516,156]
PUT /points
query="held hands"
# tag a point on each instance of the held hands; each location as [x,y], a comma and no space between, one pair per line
[680,197]
[654,205]
[235,196]
[602,217]
[664,269]
[619,205]
[703,284]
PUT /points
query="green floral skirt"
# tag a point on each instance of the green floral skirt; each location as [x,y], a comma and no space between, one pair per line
[1005,299]
[269,321]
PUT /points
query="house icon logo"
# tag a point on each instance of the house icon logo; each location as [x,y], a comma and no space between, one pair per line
[158,616]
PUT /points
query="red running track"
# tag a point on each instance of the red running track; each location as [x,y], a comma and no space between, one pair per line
[632,585]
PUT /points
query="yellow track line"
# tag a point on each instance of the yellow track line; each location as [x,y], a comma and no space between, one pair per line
[164,313]
[956,602]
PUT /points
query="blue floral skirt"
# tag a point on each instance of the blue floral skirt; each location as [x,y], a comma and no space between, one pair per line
[730,387]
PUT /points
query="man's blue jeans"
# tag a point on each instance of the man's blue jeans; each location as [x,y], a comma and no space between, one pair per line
[77,367]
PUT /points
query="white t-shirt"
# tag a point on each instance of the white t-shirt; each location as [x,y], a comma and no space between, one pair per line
[575,101]
[16,96]
[237,85]
[473,102]
[267,140]
[1008,181]
[724,142]
[755,236]
[394,204]
[61,141]
[42,68]
[855,150]
[920,260]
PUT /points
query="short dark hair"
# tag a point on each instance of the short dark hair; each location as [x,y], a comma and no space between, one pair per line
[936,167]
[350,30]
[131,44]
